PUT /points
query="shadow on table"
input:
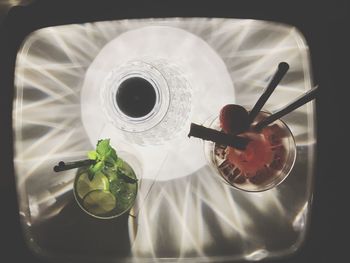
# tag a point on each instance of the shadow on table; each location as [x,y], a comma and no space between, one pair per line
[73,232]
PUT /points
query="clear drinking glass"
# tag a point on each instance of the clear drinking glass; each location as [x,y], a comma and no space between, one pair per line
[172,105]
[110,193]
[235,167]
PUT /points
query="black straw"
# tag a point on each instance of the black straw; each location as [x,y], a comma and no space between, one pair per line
[281,71]
[62,166]
[310,95]
[218,137]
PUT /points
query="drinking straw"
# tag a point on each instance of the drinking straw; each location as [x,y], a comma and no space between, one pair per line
[300,101]
[281,71]
[217,136]
[62,166]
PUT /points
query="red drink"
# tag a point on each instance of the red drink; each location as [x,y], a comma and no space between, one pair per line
[266,161]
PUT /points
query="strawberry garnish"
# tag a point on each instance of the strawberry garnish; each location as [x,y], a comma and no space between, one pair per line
[234,119]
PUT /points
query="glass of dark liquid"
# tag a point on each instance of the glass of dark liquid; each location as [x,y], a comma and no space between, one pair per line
[149,101]
[136,97]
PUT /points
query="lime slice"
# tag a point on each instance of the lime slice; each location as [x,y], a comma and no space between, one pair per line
[84,185]
[99,202]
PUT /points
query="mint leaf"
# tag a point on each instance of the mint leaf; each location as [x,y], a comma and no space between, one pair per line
[93,169]
[113,154]
[93,155]
[104,155]
[119,163]
[97,167]
[111,158]
[103,147]
[90,173]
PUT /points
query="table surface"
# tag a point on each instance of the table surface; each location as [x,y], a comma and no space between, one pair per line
[57,117]
[325,228]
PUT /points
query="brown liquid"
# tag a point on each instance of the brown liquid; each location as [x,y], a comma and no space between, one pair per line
[136,97]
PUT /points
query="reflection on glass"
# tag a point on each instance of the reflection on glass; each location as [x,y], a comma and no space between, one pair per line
[109,194]
[265,163]
[159,100]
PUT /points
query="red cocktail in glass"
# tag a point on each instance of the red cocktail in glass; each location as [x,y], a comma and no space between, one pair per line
[266,161]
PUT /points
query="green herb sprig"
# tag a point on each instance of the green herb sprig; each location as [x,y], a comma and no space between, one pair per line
[103,158]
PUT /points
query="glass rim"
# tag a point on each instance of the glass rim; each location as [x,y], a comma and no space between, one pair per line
[274,183]
[143,68]
[77,198]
